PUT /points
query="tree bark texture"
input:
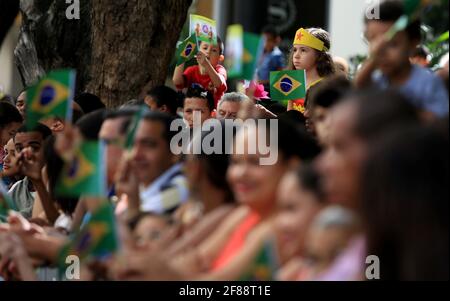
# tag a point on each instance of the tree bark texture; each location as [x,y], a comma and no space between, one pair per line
[120,48]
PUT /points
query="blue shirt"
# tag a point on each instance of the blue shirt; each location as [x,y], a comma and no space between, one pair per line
[272,61]
[424,89]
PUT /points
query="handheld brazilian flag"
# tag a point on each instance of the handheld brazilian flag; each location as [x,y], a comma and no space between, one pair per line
[253,49]
[187,50]
[51,97]
[97,239]
[6,203]
[288,85]
[264,265]
[132,128]
[243,52]
[84,175]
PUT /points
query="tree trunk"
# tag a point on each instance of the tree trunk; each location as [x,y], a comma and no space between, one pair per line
[120,48]
[8,13]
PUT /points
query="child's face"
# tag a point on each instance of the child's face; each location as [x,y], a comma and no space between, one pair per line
[324,245]
[297,208]
[304,57]
[10,167]
[321,124]
[198,105]
[212,52]
[395,55]
[149,231]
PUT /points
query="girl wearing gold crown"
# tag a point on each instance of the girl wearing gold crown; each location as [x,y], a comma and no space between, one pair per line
[310,53]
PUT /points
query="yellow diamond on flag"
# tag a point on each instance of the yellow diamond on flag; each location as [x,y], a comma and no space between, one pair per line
[49,95]
[187,51]
[78,171]
[286,85]
[248,57]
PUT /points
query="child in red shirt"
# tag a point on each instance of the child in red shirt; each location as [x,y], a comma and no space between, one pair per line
[208,73]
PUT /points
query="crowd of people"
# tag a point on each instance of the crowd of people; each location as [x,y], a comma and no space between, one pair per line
[361,170]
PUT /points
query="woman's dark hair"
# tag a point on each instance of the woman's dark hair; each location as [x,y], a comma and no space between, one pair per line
[405,204]
[54,167]
[89,102]
[329,92]
[309,179]
[324,62]
[197,91]
[165,96]
[216,164]
[9,114]
[91,124]
[391,11]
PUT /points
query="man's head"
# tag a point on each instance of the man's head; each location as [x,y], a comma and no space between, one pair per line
[112,133]
[354,124]
[272,38]
[163,99]
[198,100]
[395,56]
[230,104]
[151,152]
[214,52]
[33,139]
[21,103]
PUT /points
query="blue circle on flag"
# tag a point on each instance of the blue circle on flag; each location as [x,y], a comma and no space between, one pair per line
[48,93]
[73,170]
[286,85]
[205,28]
[188,50]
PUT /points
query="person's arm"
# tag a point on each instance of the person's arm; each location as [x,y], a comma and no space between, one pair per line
[217,80]
[32,168]
[12,250]
[363,78]
[178,76]
[200,232]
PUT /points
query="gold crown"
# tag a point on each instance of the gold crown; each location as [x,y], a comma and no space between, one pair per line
[303,37]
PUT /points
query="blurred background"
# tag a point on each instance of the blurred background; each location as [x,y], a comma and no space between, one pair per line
[343,19]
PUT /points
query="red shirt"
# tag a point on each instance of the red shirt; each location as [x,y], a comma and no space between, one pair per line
[192,76]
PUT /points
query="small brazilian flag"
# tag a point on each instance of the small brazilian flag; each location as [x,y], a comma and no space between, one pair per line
[84,175]
[253,49]
[97,239]
[187,50]
[265,264]
[51,97]
[288,85]
[132,128]
[6,203]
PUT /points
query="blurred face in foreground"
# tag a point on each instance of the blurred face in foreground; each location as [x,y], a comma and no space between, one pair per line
[151,152]
[340,164]
[254,184]
[297,207]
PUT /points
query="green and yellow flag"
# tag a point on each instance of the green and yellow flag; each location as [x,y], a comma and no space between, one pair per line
[85,174]
[132,128]
[187,50]
[97,239]
[6,203]
[243,52]
[51,97]
[288,85]
[264,265]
